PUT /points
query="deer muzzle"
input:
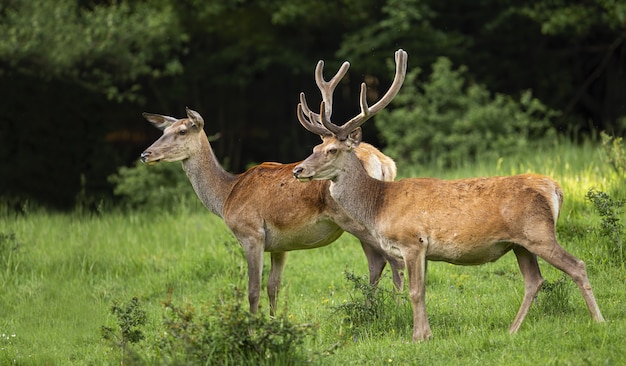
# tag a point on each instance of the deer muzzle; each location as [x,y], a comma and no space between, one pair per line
[298,174]
[148,158]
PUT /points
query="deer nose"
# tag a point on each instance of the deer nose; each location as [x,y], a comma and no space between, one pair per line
[145,155]
[297,171]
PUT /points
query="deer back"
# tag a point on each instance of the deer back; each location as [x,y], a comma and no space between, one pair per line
[458,217]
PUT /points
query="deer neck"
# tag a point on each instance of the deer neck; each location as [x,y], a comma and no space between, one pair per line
[210,181]
[356,192]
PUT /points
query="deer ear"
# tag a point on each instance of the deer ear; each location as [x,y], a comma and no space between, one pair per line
[195,118]
[354,138]
[159,121]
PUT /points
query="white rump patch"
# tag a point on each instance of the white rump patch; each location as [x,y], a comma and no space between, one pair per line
[555,205]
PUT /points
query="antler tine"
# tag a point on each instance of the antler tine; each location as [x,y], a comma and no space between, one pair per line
[368,112]
[306,110]
[327,88]
[401,65]
[313,121]
[310,120]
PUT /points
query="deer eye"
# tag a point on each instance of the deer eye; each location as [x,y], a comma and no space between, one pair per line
[182,132]
[332,151]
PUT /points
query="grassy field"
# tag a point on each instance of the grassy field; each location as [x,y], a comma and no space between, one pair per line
[61,273]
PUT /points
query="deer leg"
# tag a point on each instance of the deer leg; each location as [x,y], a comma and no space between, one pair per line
[415,261]
[397,270]
[554,254]
[377,258]
[273,283]
[375,263]
[254,257]
[532,283]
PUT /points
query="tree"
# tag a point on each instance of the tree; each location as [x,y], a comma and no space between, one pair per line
[450,121]
[104,48]
[60,61]
[569,53]
[75,75]
[593,36]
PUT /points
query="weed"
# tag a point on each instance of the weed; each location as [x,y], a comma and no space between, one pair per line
[85,202]
[228,334]
[554,297]
[611,229]
[614,153]
[371,309]
[9,254]
[8,244]
[130,317]
[10,206]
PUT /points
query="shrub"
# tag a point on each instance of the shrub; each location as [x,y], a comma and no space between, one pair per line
[611,228]
[130,318]
[227,334]
[448,120]
[162,186]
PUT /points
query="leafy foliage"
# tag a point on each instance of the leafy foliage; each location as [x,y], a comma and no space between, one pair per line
[111,45]
[402,22]
[573,18]
[89,66]
[130,318]
[227,334]
[447,119]
[611,228]
[162,186]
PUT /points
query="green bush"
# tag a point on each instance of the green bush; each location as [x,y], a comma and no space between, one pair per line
[448,119]
[611,229]
[130,320]
[162,186]
[228,334]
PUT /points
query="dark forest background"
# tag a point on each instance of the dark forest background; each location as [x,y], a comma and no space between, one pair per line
[75,75]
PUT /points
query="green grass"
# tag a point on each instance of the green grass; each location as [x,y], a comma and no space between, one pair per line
[60,273]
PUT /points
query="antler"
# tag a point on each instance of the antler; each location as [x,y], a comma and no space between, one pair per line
[310,120]
[321,124]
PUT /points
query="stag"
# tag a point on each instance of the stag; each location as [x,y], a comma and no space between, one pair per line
[465,222]
[264,207]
